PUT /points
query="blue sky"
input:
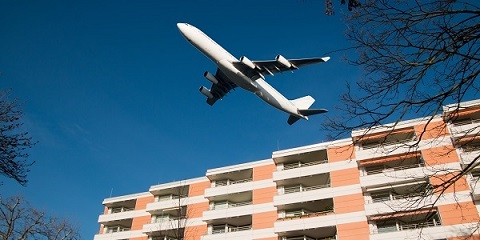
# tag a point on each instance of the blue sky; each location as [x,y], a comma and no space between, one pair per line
[110,92]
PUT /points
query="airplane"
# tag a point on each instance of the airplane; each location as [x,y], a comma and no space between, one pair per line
[249,75]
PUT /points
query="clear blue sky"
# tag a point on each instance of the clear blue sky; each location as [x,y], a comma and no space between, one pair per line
[110,92]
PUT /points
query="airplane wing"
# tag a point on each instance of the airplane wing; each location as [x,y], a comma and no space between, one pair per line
[220,89]
[280,64]
[274,66]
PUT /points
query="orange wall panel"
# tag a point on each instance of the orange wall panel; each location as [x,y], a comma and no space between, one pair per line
[196,210]
[345,177]
[440,155]
[349,203]
[459,185]
[142,202]
[198,189]
[458,213]
[195,232]
[336,154]
[264,220]
[138,222]
[354,231]
[264,195]
[263,172]
[101,229]
[431,130]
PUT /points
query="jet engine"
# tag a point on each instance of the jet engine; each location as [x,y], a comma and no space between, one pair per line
[280,59]
[247,62]
[210,77]
[205,91]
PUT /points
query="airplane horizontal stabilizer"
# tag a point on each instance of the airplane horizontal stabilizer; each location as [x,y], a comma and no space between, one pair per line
[308,112]
[292,119]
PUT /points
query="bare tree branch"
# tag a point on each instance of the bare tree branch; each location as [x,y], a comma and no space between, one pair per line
[20,221]
[14,142]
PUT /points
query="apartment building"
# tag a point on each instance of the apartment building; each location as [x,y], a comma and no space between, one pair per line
[373,185]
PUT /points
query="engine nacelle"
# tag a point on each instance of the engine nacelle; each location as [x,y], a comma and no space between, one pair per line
[205,91]
[247,62]
[280,59]
[210,77]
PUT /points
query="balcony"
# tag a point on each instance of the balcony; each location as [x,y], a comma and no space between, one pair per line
[465,127]
[394,144]
[474,182]
[230,228]
[385,175]
[300,169]
[396,198]
[169,201]
[228,209]
[117,214]
[164,223]
[305,209]
[468,155]
[403,221]
[229,186]
[303,189]
[323,233]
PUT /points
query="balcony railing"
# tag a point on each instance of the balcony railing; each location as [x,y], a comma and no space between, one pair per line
[393,197]
[301,164]
[121,209]
[230,205]
[307,214]
[230,182]
[166,219]
[117,229]
[407,226]
[381,170]
[466,122]
[232,229]
[170,197]
[301,188]
[390,143]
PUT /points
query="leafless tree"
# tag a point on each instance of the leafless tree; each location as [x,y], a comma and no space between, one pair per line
[351,5]
[20,221]
[14,141]
[418,56]
[174,223]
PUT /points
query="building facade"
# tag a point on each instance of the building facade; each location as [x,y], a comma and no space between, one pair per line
[387,183]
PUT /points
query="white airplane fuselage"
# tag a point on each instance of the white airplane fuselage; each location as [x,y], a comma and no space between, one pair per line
[224,60]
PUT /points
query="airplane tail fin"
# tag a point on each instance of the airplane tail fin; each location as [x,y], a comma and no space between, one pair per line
[303,104]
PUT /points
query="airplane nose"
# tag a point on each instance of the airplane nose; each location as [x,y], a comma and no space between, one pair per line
[181,26]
